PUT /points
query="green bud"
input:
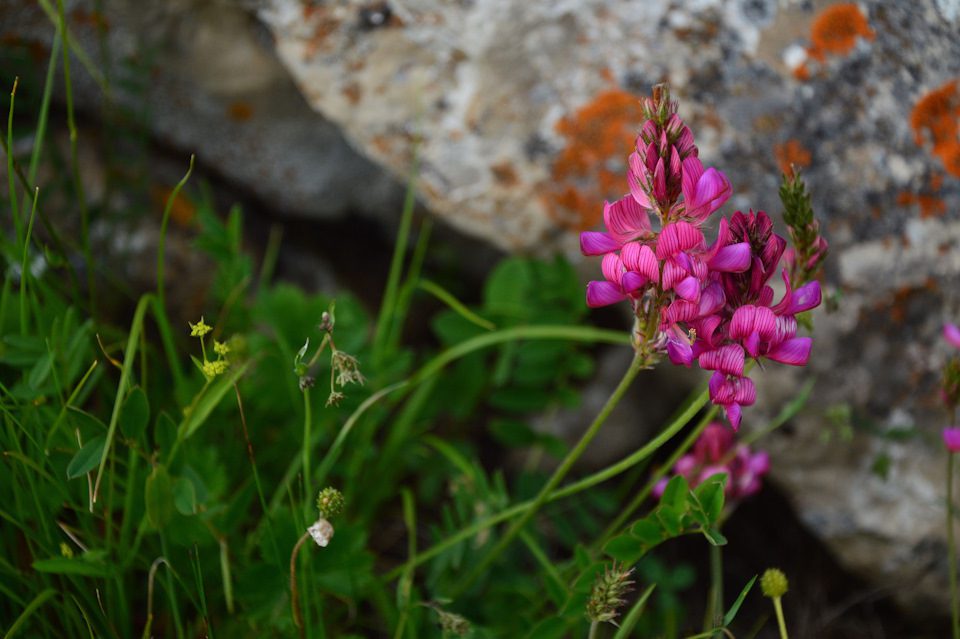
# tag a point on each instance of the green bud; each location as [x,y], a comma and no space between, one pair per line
[330,502]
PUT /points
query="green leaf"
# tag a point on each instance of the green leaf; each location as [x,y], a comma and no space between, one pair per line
[40,371]
[158,497]
[89,425]
[87,458]
[164,432]
[670,519]
[715,537]
[184,496]
[134,414]
[735,608]
[207,399]
[513,433]
[625,548]
[709,497]
[72,566]
[676,494]
[506,291]
[648,531]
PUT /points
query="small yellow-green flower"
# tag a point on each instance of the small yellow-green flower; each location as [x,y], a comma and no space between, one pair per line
[199,329]
[66,551]
[220,348]
[214,368]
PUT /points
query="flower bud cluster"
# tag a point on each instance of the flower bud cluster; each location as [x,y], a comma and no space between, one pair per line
[715,452]
[709,303]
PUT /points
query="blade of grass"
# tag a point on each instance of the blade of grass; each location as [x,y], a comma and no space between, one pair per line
[388,308]
[81,199]
[636,611]
[456,305]
[409,285]
[11,182]
[129,356]
[31,608]
[405,585]
[24,268]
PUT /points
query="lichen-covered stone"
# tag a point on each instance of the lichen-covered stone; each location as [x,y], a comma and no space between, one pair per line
[522,113]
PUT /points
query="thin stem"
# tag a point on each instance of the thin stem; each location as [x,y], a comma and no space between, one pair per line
[594,627]
[952,551]
[294,594]
[305,450]
[542,497]
[715,603]
[780,621]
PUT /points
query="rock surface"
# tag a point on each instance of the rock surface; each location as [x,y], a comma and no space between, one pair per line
[203,77]
[522,114]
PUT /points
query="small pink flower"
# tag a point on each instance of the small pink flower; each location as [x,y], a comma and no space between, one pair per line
[952,334]
[951,439]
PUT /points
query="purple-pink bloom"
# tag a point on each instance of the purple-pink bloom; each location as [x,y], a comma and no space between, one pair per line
[951,438]
[715,452]
[952,334]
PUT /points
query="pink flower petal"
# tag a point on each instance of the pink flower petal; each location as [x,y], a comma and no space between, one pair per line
[795,351]
[626,220]
[612,268]
[733,258]
[951,439]
[594,243]
[689,289]
[727,359]
[734,415]
[640,258]
[952,334]
[632,281]
[677,237]
[603,294]
[679,352]
[806,297]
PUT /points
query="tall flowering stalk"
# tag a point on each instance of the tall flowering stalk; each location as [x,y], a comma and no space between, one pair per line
[951,441]
[694,300]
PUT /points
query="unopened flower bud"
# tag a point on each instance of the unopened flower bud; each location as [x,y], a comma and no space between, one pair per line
[330,502]
[607,594]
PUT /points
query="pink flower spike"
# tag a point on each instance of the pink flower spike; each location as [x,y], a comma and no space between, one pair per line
[594,243]
[952,334]
[951,439]
[795,351]
[603,294]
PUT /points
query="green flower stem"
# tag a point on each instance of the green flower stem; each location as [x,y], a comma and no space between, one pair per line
[305,450]
[952,551]
[778,607]
[587,482]
[638,363]
[715,602]
[594,627]
[617,525]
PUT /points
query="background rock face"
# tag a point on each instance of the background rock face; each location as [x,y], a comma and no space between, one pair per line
[523,113]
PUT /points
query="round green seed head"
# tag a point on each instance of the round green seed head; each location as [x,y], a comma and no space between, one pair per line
[773,583]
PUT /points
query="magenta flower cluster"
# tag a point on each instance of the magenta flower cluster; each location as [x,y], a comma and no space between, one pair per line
[695,301]
[715,452]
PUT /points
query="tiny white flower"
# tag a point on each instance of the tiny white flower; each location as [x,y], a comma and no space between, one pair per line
[322,532]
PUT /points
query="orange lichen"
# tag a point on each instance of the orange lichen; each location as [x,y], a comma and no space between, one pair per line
[936,120]
[352,92]
[504,173]
[239,111]
[592,166]
[930,204]
[791,154]
[836,29]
